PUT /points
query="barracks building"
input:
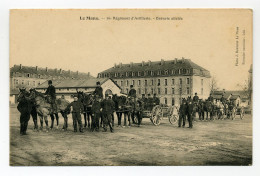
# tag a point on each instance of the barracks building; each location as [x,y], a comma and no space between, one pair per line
[171,80]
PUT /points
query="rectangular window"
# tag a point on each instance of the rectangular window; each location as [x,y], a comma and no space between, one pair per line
[188,80]
[152,82]
[159,91]
[152,91]
[133,82]
[188,90]
[165,101]
[173,81]
[139,73]
[201,82]
[201,91]
[145,82]
[180,81]
[127,90]
[139,82]
[173,91]
[180,91]
[139,91]
[159,82]
[145,91]
[28,75]
[165,90]
[173,101]
[165,82]
[127,82]
[121,83]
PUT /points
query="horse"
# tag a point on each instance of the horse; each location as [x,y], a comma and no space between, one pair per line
[25,107]
[87,101]
[44,108]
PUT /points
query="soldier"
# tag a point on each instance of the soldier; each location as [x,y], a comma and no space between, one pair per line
[222,99]
[156,100]
[132,92]
[195,98]
[96,114]
[144,100]
[107,110]
[149,103]
[99,90]
[201,110]
[51,91]
[77,109]
[190,113]
[64,115]
[211,99]
[182,113]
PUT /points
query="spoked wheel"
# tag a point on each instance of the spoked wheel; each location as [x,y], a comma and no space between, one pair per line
[156,115]
[173,115]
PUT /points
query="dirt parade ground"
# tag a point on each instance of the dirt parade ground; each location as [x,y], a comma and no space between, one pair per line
[219,142]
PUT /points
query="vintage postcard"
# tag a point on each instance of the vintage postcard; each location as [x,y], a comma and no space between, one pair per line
[131,87]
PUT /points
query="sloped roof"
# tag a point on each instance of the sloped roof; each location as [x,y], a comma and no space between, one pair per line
[48,72]
[73,83]
[158,65]
[232,94]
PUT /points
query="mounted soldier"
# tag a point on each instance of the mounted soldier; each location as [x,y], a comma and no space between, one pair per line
[98,91]
[196,98]
[132,92]
[51,96]
[156,100]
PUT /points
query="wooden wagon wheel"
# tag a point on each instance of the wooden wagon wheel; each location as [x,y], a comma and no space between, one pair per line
[173,115]
[156,115]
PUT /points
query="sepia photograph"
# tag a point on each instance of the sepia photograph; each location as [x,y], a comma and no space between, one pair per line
[131,87]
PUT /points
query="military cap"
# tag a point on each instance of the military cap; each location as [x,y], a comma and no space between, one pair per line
[131,86]
[98,83]
[50,82]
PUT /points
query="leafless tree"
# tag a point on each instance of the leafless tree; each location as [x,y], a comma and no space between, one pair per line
[213,84]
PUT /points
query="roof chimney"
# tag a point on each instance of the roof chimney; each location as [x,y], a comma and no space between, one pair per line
[131,64]
[175,61]
[60,71]
[183,60]
[36,68]
[142,63]
[162,61]
[46,69]
[21,66]
[149,63]
[120,65]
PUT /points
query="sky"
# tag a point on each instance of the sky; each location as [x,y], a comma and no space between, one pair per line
[59,39]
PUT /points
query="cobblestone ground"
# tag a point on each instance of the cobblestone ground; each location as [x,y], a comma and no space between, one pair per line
[217,142]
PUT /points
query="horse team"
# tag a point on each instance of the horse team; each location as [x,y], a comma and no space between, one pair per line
[100,113]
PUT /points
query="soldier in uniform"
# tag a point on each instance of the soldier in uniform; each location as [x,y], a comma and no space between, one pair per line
[222,99]
[156,100]
[190,113]
[77,110]
[195,98]
[51,91]
[64,114]
[149,103]
[99,90]
[107,110]
[182,113]
[144,100]
[96,114]
[211,99]
[132,92]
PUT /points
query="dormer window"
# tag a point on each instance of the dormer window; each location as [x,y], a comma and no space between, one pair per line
[152,73]
[166,72]
[139,73]
[126,74]
[179,71]
[159,72]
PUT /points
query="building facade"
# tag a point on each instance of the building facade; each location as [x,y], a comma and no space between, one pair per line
[31,77]
[171,80]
